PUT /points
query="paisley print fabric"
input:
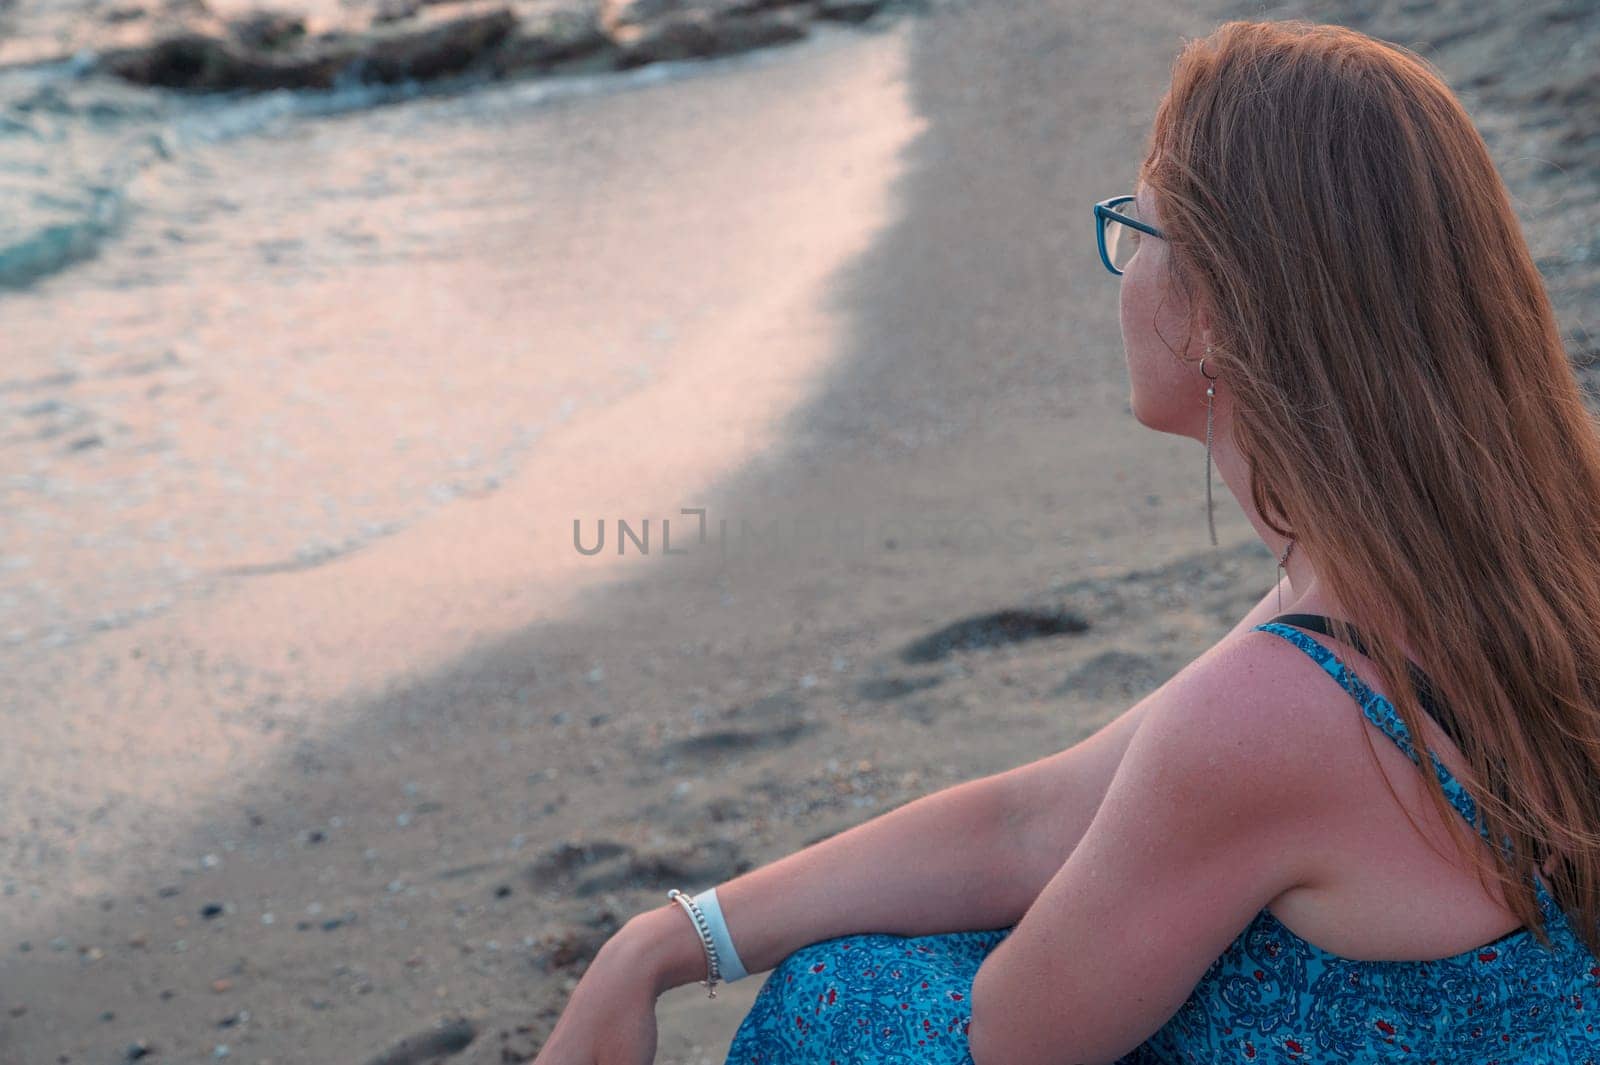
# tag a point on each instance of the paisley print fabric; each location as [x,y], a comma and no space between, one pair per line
[867,998]
[1271,998]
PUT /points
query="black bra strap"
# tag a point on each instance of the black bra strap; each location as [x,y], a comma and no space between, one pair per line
[1419,680]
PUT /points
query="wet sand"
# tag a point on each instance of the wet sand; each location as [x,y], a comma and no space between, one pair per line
[850,283]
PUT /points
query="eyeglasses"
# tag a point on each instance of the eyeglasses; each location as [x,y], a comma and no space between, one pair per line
[1117,228]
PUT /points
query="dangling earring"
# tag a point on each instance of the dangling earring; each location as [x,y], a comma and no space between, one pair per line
[1211,391]
[1283,558]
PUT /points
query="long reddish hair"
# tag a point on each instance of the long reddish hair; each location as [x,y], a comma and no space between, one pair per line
[1405,406]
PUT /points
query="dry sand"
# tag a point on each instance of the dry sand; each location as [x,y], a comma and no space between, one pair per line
[448,764]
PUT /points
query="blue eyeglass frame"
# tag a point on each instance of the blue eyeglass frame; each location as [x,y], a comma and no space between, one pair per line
[1104,210]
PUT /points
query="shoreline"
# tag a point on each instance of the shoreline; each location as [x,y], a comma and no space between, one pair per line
[222,46]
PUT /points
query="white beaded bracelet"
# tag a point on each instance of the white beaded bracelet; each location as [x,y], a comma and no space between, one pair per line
[722,961]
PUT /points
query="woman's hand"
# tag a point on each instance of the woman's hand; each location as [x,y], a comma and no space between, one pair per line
[610,1018]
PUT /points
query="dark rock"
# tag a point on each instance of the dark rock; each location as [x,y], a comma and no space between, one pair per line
[395,10]
[848,10]
[700,34]
[991,630]
[430,51]
[210,910]
[726,742]
[617,17]
[446,1039]
[418,50]
[536,44]
[263,29]
[197,61]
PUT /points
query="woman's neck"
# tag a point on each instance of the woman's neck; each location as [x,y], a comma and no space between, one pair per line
[1305,591]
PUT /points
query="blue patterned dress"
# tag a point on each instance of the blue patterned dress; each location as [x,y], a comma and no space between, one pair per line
[1271,997]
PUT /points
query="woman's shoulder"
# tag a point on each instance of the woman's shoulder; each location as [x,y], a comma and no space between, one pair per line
[1235,753]
[1258,694]
[1267,695]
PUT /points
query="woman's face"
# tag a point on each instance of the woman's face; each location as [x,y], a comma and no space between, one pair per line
[1167,395]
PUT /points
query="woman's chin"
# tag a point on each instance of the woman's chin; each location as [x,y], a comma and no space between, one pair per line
[1161,418]
[1141,412]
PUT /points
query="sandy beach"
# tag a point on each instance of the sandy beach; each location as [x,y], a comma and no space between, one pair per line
[324,742]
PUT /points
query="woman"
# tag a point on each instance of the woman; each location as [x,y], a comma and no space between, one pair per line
[1322,277]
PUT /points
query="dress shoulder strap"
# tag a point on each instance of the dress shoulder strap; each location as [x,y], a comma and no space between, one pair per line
[1381,712]
[1426,693]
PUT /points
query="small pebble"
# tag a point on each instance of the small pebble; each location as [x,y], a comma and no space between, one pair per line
[210,910]
[221,984]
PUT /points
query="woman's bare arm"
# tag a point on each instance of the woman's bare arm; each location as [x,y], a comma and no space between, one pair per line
[936,864]
[972,856]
